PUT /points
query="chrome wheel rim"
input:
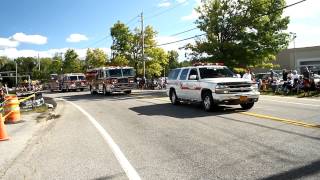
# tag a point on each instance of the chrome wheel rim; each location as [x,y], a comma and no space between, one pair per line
[207,102]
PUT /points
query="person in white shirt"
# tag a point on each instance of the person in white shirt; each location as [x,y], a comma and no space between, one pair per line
[295,75]
[247,75]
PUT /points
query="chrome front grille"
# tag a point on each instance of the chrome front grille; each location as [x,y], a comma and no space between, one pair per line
[234,87]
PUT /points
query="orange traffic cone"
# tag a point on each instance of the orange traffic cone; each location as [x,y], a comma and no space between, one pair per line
[3,132]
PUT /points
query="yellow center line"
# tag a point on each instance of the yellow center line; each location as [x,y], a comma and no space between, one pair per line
[283,120]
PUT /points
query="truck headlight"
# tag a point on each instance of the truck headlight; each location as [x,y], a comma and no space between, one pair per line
[255,87]
[221,86]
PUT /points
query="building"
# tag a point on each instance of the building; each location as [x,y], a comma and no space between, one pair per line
[297,58]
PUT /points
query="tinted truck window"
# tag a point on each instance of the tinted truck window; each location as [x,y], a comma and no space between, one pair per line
[174,74]
[184,74]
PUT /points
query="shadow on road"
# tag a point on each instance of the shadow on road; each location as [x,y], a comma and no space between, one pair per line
[183,111]
[297,173]
[112,97]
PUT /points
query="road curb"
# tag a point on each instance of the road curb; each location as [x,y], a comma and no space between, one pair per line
[45,126]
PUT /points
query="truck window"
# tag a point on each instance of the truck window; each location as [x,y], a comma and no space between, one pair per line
[115,73]
[174,74]
[193,72]
[184,74]
[73,78]
[215,72]
[81,78]
[128,72]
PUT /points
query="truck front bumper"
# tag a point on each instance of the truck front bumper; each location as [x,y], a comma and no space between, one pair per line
[234,99]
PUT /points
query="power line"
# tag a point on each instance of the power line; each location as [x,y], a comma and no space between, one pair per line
[176,34]
[132,19]
[181,40]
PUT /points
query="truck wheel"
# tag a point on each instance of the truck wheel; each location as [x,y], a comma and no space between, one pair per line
[207,102]
[92,91]
[105,92]
[247,106]
[127,92]
[173,98]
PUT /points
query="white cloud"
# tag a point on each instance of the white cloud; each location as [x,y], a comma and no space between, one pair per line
[164,4]
[14,53]
[31,39]
[193,16]
[7,43]
[74,38]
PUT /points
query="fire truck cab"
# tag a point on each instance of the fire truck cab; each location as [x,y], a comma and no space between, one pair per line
[107,80]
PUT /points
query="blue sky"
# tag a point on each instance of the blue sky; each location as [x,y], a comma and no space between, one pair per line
[29,27]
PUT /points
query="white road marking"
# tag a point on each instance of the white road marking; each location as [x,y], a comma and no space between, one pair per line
[314,105]
[125,164]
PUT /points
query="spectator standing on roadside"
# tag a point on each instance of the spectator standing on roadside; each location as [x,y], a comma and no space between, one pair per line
[271,75]
[247,75]
[284,75]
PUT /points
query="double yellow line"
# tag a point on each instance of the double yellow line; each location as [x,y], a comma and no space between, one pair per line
[287,121]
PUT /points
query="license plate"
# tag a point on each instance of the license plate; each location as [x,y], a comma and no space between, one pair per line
[243,98]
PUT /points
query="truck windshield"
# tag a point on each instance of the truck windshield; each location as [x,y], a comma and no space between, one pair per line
[73,78]
[215,72]
[128,72]
[81,78]
[115,73]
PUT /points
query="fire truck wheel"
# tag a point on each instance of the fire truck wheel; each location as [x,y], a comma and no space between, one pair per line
[105,92]
[93,92]
[127,92]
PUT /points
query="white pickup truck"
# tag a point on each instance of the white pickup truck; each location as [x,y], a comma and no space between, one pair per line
[211,85]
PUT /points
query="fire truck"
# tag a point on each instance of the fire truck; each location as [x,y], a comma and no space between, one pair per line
[68,82]
[107,80]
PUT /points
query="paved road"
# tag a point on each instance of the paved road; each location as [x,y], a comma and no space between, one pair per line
[277,139]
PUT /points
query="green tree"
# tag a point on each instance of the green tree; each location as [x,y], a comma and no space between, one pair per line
[3,61]
[71,63]
[241,32]
[185,63]
[44,73]
[95,58]
[56,65]
[121,39]
[157,61]
[173,60]
[26,65]
[120,60]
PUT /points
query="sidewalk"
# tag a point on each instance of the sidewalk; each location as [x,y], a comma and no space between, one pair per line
[20,135]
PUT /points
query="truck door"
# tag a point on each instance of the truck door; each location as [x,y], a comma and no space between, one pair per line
[182,87]
[193,85]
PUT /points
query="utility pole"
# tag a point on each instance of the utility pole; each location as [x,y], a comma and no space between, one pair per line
[38,61]
[16,74]
[294,36]
[142,34]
